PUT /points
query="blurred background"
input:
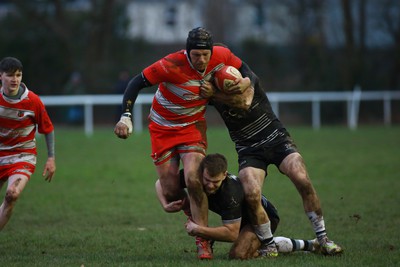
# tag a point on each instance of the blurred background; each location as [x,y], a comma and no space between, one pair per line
[72,47]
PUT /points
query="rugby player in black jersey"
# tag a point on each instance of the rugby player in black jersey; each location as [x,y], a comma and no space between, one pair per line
[226,198]
[261,139]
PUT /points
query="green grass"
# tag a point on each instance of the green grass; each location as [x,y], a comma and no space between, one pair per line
[101,208]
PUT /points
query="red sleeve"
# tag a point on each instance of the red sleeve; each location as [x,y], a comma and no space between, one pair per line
[43,121]
[155,72]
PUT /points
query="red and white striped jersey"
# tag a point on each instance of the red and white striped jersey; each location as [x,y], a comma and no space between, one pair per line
[19,119]
[177,102]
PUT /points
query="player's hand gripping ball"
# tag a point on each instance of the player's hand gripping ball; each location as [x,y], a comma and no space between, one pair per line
[225,77]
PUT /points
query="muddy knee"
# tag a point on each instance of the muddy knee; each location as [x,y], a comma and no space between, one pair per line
[237,255]
[12,195]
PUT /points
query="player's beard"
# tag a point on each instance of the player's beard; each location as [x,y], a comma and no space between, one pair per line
[210,191]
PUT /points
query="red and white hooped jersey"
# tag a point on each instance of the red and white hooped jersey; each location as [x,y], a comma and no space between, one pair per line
[177,102]
[19,119]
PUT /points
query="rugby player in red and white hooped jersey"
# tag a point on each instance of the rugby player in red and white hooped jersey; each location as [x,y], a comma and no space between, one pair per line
[21,114]
[177,125]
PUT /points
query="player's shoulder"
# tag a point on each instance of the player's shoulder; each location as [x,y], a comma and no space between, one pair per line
[32,95]
[232,177]
[175,56]
[174,61]
[221,51]
[232,189]
[34,99]
[226,56]
[232,181]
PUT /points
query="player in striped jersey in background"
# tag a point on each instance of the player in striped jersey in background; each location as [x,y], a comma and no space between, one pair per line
[21,114]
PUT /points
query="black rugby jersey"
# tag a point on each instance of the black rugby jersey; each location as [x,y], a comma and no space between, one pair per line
[229,202]
[255,127]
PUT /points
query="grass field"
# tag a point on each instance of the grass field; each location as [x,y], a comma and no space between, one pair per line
[101,208]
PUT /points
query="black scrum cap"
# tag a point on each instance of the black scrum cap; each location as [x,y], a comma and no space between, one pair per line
[199,38]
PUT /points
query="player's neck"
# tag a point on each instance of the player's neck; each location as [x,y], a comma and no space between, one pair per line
[15,95]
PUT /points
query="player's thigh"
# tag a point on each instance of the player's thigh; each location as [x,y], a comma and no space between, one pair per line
[168,168]
[191,163]
[292,164]
[246,245]
[294,167]
[168,174]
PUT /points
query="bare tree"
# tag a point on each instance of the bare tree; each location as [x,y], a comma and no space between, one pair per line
[391,23]
[348,30]
[86,35]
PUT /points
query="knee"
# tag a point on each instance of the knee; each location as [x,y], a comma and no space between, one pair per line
[294,167]
[12,195]
[170,196]
[237,255]
[193,181]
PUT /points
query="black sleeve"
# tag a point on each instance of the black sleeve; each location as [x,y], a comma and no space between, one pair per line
[247,72]
[132,90]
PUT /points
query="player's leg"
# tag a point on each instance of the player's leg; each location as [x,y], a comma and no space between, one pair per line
[197,199]
[293,166]
[168,173]
[252,180]
[286,245]
[246,245]
[16,184]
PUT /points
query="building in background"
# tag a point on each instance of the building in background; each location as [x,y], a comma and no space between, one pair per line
[276,22]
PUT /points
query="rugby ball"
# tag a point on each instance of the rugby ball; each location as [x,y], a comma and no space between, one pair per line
[225,77]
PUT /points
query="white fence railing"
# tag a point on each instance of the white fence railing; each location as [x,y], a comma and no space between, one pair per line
[352,98]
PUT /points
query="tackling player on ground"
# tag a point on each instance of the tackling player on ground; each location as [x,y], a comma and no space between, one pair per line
[226,198]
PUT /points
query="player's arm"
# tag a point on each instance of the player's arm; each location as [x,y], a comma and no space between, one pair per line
[248,73]
[230,212]
[240,95]
[173,206]
[228,232]
[241,101]
[124,127]
[50,166]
